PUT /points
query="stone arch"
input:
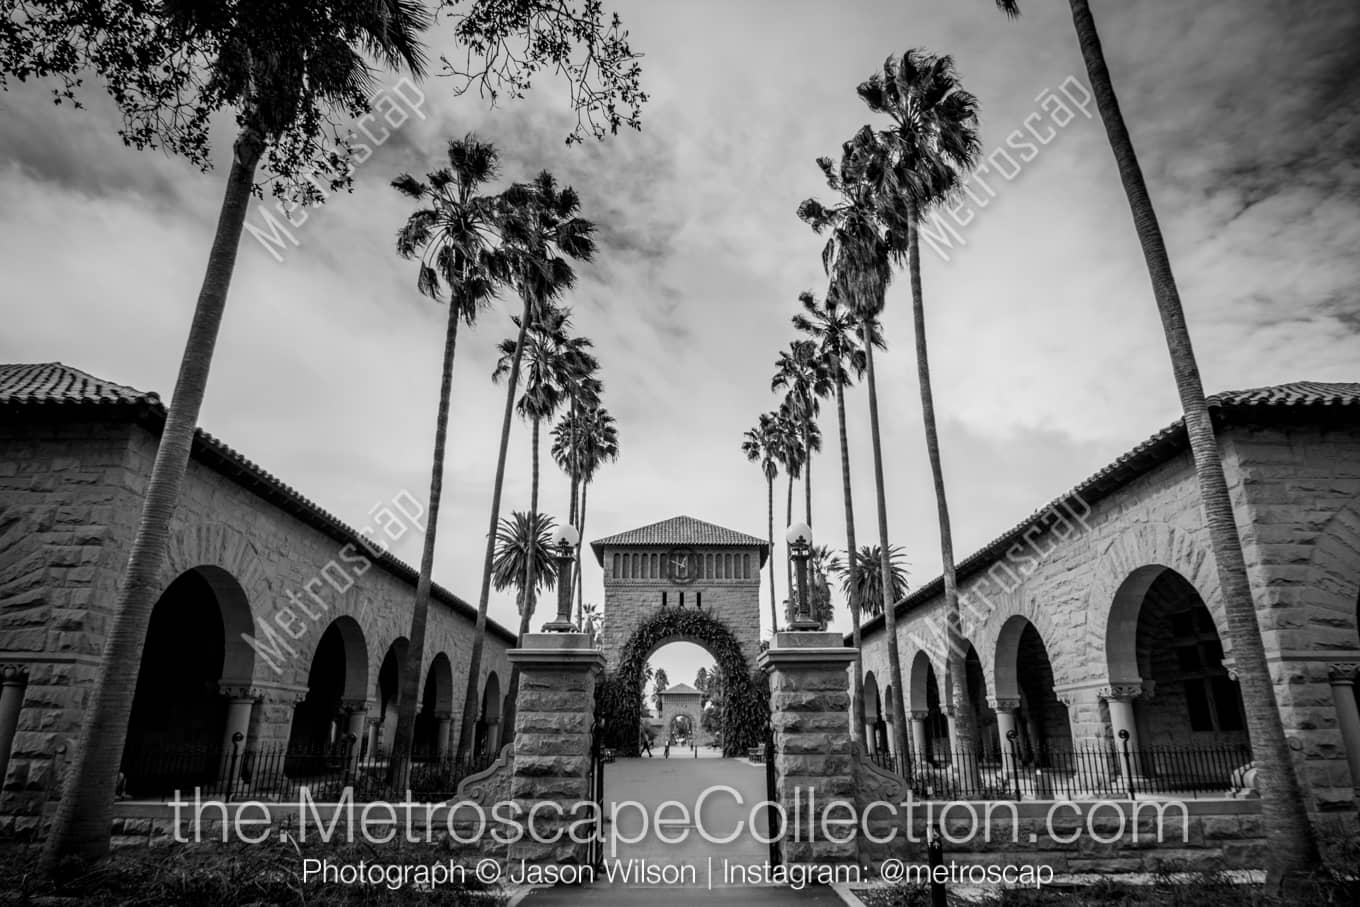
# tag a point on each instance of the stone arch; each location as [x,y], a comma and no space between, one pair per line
[336,678]
[745,706]
[1025,694]
[436,707]
[387,691]
[1333,585]
[1185,551]
[489,721]
[194,652]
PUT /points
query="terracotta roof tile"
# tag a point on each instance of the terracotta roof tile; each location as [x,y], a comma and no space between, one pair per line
[681,530]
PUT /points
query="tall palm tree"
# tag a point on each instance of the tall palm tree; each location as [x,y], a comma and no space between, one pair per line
[934,140]
[453,234]
[790,429]
[553,363]
[595,439]
[802,375]
[867,580]
[514,553]
[761,445]
[856,261]
[540,229]
[834,328]
[275,86]
[1293,843]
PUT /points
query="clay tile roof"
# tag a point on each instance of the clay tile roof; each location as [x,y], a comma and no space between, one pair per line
[56,384]
[53,382]
[681,689]
[681,530]
[1297,393]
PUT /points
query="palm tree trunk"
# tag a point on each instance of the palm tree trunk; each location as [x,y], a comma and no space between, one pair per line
[84,817]
[788,554]
[774,595]
[956,656]
[469,722]
[576,577]
[1292,849]
[409,690]
[807,466]
[527,596]
[899,722]
[857,679]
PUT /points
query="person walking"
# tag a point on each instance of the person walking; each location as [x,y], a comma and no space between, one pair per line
[646,743]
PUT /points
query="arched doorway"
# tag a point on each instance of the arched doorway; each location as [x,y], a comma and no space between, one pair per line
[388,690]
[194,651]
[744,710]
[984,716]
[431,732]
[875,728]
[338,675]
[930,725]
[1166,656]
[1025,688]
[489,723]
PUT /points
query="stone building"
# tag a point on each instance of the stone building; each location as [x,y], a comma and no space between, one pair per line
[680,701]
[276,620]
[1101,612]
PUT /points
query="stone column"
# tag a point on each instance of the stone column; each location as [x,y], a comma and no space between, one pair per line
[355,726]
[918,735]
[240,705]
[14,678]
[554,717]
[1342,677]
[1005,728]
[444,734]
[372,749]
[814,762]
[1119,700]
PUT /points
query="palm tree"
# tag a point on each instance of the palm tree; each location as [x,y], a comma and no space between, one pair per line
[856,261]
[867,579]
[792,429]
[554,364]
[585,441]
[801,373]
[539,226]
[276,87]
[833,327]
[761,445]
[662,683]
[454,237]
[934,139]
[1293,843]
[514,555]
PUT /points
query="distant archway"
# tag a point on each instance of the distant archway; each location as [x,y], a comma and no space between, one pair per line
[194,652]
[436,706]
[745,706]
[876,730]
[389,691]
[1024,676]
[489,724]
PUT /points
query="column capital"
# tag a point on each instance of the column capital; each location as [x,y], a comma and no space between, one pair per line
[238,693]
[1120,692]
[918,715]
[16,674]
[1004,703]
[354,706]
[1342,672]
[443,714]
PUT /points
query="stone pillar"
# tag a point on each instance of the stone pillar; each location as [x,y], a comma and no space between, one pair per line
[240,705]
[444,734]
[814,762]
[1005,727]
[493,735]
[1119,700]
[1342,677]
[14,678]
[918,735]
[952,730]
[554,717]
[357,717]
[372,749]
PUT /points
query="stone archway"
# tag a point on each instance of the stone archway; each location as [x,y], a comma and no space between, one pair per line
[1025,700]
[193,655]
[745,706]
[929,724]
[489,724]
[431,732]
[876,730]
[337,680]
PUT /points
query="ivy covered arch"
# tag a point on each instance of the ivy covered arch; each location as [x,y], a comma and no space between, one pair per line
[746,693]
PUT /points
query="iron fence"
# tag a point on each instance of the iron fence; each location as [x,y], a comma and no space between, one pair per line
[1096,770]
[276,772]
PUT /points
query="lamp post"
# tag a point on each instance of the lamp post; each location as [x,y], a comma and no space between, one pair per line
[563,542]
[799,538]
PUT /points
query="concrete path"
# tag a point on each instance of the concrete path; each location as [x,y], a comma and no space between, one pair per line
[648,867]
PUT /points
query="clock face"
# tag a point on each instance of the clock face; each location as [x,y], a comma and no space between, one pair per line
[682,565]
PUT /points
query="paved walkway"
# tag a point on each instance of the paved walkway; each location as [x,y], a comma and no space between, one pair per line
[677,865]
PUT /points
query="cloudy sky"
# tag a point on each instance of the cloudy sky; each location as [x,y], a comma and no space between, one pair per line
[1048,356]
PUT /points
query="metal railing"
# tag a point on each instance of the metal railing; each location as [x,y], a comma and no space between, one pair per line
[1099,770]
[277,772]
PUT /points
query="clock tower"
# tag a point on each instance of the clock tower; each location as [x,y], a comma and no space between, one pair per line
[680,563]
